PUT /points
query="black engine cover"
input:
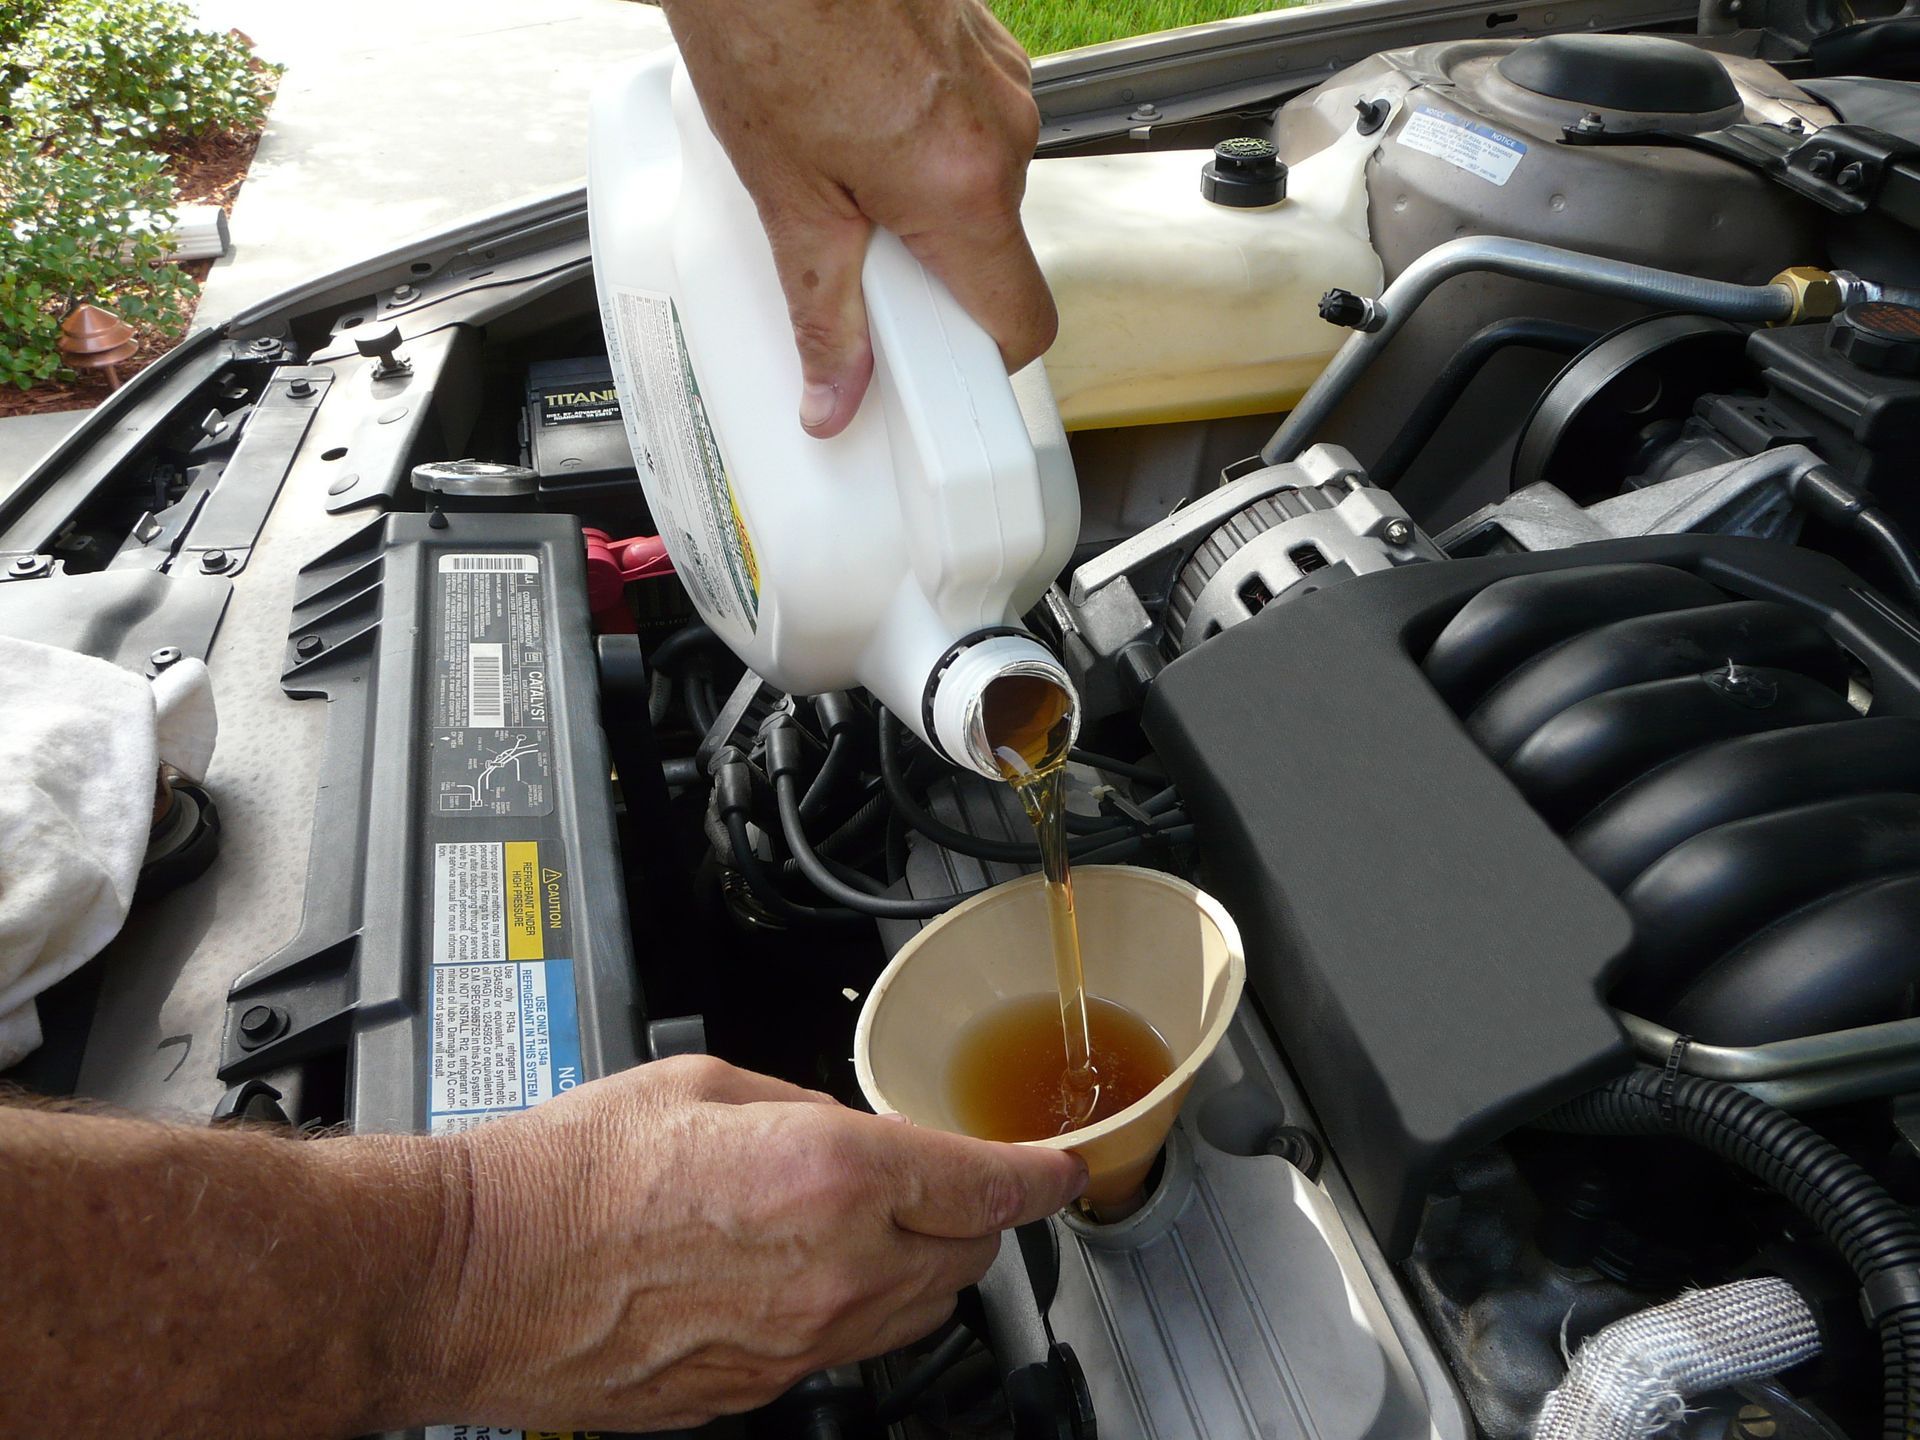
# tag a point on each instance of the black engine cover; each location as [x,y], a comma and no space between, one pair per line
[1431,953]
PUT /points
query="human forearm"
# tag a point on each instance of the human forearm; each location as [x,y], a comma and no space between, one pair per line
[221,1282]
[652,1249]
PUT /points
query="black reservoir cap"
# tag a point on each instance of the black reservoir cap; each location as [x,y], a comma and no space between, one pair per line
[1879,336]
[1245,172]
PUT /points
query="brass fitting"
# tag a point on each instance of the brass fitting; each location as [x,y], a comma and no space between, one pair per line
[1816,294]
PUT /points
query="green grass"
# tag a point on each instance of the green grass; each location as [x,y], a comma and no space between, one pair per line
[1047,25]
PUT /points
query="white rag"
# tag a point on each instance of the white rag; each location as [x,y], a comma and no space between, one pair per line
[81,744]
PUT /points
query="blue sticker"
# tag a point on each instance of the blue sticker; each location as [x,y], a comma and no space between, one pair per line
[505,1036]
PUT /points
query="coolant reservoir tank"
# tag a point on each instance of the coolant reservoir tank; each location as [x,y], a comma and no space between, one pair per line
[898,555]
[1174,306]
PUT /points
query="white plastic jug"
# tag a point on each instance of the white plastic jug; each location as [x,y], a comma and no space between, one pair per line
[898,555]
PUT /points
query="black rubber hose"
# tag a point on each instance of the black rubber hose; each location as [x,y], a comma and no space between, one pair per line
[1847,504]
[767,891]
[703,705]
[834,770]
[1853,1210]
[1462,368]
[1013,852]
[1126,769]
[904,1398]
[823,877]
[1893,546]
[681,643]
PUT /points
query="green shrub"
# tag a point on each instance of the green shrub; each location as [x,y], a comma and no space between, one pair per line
[83,221]
[138,69]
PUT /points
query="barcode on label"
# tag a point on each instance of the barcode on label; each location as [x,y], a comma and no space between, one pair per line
[490,564]
[486,701]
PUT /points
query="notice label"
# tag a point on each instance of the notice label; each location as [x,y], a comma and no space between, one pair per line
[1464,144]
[685,474]
[505,1037]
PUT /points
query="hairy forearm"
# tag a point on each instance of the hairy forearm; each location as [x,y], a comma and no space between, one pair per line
[196,1282]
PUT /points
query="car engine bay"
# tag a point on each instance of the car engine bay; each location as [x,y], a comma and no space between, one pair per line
[1538,687]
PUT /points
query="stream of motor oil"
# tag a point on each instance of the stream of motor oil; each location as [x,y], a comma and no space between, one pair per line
[1029,725]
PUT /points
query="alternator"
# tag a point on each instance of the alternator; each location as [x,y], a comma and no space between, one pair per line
[1294,540]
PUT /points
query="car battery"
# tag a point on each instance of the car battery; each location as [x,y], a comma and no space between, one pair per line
[464,951]
[572,437]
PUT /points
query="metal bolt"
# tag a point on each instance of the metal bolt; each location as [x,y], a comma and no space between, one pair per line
[300,389]
[1821,164]
[1398,532]
[1851,177]
[166,655]
[260,1024]
[28,567]
[309,645]
[1145,110]
[1591,123]
[403,293]
[214,561]
[264,343]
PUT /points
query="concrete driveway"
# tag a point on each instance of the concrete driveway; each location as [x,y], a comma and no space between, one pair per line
[397,117]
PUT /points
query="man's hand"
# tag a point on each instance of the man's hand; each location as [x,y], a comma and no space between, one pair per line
[649,1250]
[915,115]
[688,1239]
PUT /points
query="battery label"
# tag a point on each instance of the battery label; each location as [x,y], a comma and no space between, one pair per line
[578,405]
[681,464]
[499,900]
[491,751]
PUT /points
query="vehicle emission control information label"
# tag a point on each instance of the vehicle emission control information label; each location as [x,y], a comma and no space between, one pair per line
[492,748]
[1464,144]
[667,427]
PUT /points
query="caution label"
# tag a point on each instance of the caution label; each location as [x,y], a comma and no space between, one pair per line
[679,459]
[499,900]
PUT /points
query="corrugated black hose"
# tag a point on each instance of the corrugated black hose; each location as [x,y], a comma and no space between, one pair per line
[1869,1227]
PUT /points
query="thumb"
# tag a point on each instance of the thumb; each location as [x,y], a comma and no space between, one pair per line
[818,254]
[956,1187]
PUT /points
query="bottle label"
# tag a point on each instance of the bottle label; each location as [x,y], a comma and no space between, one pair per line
[680,461]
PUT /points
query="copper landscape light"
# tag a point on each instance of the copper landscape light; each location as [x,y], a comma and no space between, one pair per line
[96,339]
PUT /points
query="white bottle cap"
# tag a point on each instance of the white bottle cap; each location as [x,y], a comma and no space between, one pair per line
[956,702]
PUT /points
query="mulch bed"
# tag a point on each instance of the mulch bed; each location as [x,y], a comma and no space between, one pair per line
[207,171]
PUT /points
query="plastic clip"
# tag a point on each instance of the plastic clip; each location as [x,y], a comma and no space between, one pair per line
[1670,1077]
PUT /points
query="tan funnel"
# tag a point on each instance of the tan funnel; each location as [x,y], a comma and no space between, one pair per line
[1155,944]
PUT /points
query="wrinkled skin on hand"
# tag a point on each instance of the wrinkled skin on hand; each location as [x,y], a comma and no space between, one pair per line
[915,115]
[687,1239]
